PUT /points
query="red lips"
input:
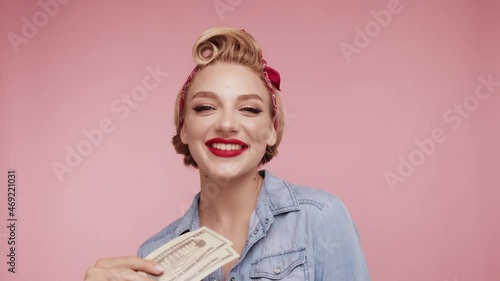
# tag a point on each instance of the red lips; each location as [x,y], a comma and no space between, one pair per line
[226,153]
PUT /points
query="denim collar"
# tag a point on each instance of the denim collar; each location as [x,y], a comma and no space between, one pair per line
[275,197]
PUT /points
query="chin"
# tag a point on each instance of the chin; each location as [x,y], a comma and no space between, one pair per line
[228,170]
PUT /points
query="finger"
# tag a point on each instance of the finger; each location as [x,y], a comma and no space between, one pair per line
[115,274]
[134,263]
[128,274]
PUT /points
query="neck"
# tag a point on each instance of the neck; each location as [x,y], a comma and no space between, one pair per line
[226,202]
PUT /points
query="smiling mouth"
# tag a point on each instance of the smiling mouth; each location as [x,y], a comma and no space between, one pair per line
[227,146]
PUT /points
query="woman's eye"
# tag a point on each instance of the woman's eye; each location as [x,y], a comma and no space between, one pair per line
[252,110]
[201,108]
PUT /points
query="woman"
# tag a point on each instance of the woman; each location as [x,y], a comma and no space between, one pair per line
[229,122]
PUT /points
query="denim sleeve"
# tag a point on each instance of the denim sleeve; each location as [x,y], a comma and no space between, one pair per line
[338,254]
[139,252]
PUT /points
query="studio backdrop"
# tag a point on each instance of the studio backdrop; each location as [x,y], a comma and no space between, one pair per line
[392,105]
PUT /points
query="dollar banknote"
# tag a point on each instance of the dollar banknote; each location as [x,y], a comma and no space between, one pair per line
[192,256]
[213,262]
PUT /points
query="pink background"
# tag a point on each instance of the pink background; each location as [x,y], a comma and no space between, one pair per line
[347,125]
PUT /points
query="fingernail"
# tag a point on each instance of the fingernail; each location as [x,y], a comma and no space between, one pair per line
[159,268]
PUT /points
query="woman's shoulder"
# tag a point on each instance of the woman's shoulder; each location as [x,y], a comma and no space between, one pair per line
[304,194]
[322,211]
[325,204]
[307,195]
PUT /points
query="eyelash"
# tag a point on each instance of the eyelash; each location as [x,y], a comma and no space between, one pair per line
[201,108]
[252,109]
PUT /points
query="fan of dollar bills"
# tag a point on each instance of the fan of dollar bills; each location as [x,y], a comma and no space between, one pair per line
[192,256]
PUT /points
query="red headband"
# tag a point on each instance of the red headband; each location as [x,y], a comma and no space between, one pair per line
[271,76]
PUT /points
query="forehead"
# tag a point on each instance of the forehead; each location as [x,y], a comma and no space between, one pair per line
[228,80]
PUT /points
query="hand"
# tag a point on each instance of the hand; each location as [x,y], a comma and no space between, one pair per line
[122,269]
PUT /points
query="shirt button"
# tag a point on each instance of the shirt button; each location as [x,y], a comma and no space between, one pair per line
[277,270]
[232,279]
[266,221]
[256,231]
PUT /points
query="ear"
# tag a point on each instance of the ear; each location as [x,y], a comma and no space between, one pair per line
[183,134]
[272,137]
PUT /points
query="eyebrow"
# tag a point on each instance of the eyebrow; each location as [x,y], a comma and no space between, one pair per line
[208,94]
[204,94]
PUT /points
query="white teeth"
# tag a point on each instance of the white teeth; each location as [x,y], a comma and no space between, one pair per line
[224,146]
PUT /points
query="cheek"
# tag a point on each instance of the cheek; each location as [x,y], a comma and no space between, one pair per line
[196,126]
[260,133]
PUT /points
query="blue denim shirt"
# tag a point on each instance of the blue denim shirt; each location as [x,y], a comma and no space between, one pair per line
[296,233]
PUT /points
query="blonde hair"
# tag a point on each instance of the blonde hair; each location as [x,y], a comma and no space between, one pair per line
[229,45]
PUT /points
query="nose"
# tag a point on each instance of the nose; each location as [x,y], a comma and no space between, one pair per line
[227,122]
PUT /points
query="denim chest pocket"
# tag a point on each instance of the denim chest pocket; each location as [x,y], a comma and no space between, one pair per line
[284,265]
